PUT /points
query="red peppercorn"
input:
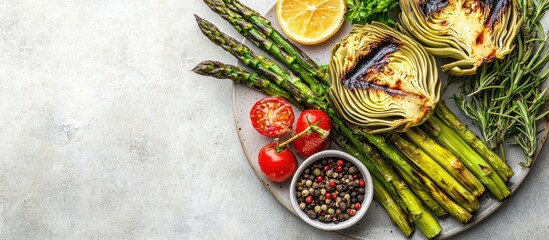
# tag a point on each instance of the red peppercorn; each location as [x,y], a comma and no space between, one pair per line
[319,179]
[334,195]
[355,177]
[361,183]
[333,184]
[357,206]
[340,162]
[309,199]
[339,169]
[328,196]
[326,168]
[352,212]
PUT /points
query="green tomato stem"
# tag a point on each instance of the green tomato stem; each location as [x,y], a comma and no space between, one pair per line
[310,129]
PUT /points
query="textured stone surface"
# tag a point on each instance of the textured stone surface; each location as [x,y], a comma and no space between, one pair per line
[107,134]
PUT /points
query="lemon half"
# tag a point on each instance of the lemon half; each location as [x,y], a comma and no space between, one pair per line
[311,21]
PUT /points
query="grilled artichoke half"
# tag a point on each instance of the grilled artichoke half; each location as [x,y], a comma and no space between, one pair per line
[382,80]
[472,32]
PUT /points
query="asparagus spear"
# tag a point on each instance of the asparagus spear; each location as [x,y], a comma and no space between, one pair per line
[398,218]
[420,216]
[264,25]
[447,160]
[238,75]
[478,166]
[502,169]
[453,208]
[261,40]
[443,179]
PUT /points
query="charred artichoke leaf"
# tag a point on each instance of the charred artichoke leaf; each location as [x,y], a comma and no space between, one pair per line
[382,80]
[471,32]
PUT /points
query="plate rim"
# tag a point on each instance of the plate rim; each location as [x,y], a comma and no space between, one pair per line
[443,235]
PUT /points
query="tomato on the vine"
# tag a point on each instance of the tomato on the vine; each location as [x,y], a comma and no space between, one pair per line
[277,164]
[316,140]
[272,116]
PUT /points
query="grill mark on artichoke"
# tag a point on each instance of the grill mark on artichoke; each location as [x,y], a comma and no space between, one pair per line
[430,6]
[362,73]
[496,9]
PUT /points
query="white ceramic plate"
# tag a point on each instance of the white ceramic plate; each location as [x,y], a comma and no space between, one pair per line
[376,223]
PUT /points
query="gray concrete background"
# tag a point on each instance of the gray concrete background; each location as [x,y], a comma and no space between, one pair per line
[107,134]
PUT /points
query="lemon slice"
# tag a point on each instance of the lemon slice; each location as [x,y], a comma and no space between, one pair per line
[310,21]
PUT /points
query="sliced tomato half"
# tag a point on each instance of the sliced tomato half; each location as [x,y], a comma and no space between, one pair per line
[272,116]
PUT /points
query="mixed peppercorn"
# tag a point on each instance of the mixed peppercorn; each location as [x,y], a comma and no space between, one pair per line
[330,190]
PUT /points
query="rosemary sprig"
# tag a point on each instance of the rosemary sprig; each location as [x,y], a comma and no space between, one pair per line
[505,98]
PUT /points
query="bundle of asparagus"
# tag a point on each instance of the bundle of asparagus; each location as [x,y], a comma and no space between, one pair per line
[436,169]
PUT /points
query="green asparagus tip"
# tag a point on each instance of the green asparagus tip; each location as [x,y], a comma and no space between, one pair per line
[201,22]
[212,68]
[203,67]
[204,24]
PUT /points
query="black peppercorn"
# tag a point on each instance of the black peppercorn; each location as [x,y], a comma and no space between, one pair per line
[311,214]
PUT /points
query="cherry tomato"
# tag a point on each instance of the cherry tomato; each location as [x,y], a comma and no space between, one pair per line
[277,165]
[272,116]
[313,142]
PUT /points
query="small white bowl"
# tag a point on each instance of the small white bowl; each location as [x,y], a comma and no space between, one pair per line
[368,195]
